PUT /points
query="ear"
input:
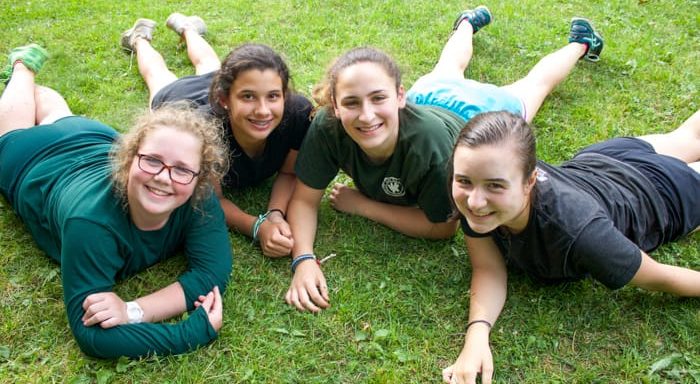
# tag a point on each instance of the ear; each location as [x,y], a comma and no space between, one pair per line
[401,95]
[336,113]
[530,182]
[223,101]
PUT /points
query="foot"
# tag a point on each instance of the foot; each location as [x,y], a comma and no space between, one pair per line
[478,17]
[32,56]
[179,22]
[142,29]
[582,32]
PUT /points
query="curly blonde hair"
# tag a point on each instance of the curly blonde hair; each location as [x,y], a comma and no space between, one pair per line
[183,117]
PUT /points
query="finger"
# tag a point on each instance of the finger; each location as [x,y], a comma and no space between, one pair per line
[110,323]
[218,304]
[447,374]
[283,241]
[208,301]
[307,303]
[92,299]
[486,375]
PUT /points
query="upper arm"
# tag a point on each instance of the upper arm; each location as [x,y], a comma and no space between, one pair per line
[484,254]
[656,276]
[289,162]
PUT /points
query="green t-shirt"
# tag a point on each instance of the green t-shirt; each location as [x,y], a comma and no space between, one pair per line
[416,174]
[65,197]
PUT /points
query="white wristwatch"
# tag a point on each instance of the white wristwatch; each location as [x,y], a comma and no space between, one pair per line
[134,312]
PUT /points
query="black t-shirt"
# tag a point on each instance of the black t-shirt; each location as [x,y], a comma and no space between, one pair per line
[244,171]
[590,216]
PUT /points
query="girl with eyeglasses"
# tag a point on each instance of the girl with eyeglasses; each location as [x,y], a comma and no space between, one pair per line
[106,206]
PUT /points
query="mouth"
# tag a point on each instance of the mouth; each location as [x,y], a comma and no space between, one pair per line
[158,192]
[369,128]
[479,215]
[261,124]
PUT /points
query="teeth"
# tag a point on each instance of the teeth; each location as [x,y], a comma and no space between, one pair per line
[158,191]
[368,129]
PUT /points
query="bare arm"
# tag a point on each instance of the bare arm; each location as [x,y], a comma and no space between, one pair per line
[656,276]
[488,294]
[109,310]
[308,290]
[410,221]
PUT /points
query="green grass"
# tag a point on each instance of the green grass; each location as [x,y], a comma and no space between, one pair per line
[398,304]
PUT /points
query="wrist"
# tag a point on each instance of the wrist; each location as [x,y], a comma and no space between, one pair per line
[134,312]
[300,259]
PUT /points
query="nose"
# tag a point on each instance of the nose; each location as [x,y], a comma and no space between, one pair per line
[163,176]
[366,113]
[476,199]
[262,109]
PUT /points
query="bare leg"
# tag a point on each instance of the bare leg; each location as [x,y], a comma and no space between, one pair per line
[152,68]
[457,52]
[683,143]
[50,105]
[17,104]
[545,76]
[201,54]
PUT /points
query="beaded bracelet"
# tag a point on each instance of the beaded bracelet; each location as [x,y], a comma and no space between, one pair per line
[261,218]
[478,321]
[300,258]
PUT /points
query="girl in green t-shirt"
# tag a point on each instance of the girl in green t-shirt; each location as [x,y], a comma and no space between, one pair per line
[106,206]
[395,144]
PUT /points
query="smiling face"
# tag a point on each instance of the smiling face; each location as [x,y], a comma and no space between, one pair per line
[255,105]
[152,198]
[489,189]
[367,102]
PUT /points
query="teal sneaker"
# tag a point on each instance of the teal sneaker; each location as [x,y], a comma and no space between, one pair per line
[582,31]
[478,17]
[143,28]
[178,22]
[33,56]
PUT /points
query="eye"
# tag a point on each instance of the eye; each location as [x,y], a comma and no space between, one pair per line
[379,98]
[151,161]
[247,96]
[179,171]
[495,186]
[274,96]
[350,104]
[463,181]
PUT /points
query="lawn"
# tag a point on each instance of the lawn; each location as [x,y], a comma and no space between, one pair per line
[399,305]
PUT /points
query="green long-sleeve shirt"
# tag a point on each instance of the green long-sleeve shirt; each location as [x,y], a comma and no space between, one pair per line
[61,188]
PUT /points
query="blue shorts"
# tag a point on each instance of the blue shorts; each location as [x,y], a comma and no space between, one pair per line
[676,182]
[465,97]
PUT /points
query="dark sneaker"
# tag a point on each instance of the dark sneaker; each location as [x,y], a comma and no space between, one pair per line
[478,17]
[582,31]
[179,22]
[32,56]
[143,28]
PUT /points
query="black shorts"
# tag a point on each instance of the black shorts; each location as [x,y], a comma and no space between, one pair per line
[194,88]
[676,182]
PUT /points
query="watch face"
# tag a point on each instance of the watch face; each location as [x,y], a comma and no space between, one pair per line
[134,312]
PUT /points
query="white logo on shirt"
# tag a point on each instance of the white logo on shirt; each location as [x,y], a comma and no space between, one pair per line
[541,175]
[392,186]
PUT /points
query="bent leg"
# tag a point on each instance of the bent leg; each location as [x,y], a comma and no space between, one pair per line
[50,105]
[457,52]
[17,104]
[682,143]
[201,54]
[549,72]
[152,68]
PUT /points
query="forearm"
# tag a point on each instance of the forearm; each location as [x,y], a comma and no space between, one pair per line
[237,218]
[282,191]
[303,217]
[410,221]
[163,304]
